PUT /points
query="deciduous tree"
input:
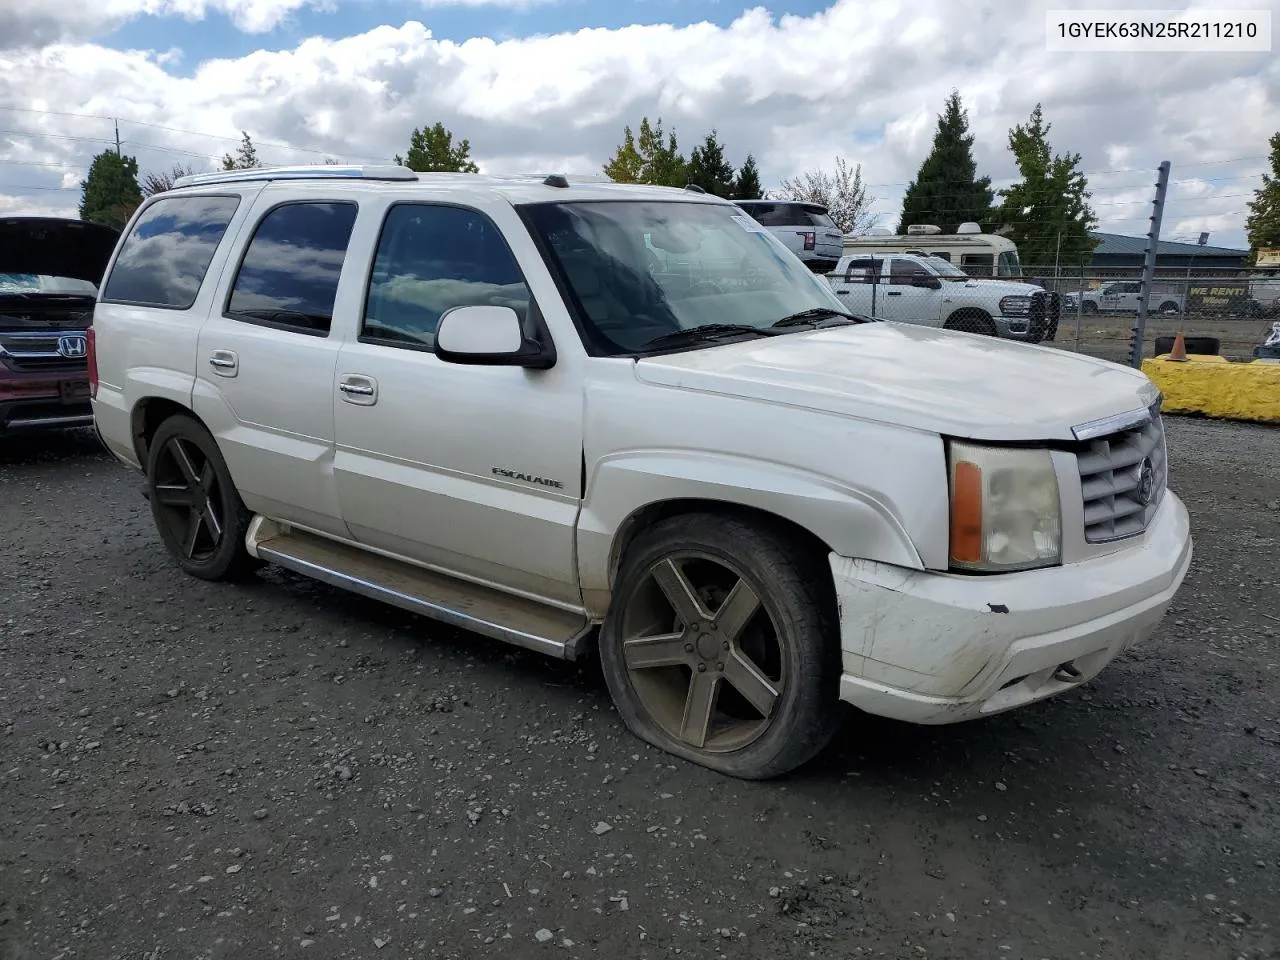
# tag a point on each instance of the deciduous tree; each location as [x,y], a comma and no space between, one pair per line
[842,192]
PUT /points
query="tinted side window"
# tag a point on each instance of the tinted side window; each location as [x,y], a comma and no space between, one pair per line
[164,259]
[860,271]
[905,272]
[431,258]
[289,275]
[943,254]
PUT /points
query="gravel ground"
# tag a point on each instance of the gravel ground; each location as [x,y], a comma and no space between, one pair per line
[195,770]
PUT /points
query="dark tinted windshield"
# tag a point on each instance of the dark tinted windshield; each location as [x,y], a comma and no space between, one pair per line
[639,270]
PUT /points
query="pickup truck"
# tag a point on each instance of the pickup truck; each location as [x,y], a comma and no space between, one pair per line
[1122,297]
[928,290]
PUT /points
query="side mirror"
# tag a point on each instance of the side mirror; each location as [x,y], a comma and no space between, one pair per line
[489,336]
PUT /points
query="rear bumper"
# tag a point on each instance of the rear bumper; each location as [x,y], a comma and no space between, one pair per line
[934,648]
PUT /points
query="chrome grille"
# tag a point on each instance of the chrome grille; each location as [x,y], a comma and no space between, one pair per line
[38,350]
[1123,476]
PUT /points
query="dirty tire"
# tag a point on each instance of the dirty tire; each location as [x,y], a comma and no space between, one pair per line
[972,321]
[790,640]
[197,510]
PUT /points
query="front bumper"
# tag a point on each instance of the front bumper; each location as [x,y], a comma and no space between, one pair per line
[30,404]
[939,648]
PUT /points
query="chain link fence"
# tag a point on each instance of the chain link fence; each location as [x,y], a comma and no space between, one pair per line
[1226,313]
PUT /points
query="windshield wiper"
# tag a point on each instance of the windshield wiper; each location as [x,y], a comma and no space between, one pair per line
[708,331]
[811,317]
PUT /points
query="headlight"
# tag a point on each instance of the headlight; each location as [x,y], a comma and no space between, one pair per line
[1005,511]
[1011,306]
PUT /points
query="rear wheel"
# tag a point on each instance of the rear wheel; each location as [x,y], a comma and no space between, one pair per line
[721,646]
[198,513]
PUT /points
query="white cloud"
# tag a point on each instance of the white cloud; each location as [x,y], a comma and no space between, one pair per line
[863,79]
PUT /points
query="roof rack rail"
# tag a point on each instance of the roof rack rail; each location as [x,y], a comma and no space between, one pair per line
[318,171]
[694,188]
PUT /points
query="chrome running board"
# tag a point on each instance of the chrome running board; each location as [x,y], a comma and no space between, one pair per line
[468,606]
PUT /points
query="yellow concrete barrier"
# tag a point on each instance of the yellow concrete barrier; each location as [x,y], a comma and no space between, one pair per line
[1215,387]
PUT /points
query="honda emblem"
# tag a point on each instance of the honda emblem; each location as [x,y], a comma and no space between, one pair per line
[72,347]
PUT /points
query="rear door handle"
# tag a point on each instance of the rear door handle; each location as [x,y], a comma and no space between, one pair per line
[358,389]
[225,363]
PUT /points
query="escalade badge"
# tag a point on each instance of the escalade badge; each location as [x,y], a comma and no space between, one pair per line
[72,347]
[1146,482]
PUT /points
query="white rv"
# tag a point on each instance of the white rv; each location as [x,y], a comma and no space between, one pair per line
[976,253]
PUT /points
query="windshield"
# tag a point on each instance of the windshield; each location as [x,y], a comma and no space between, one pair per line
[946,269]
[1007,264]
[638,271]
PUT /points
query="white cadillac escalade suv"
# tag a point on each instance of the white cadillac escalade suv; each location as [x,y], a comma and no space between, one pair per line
[624,419]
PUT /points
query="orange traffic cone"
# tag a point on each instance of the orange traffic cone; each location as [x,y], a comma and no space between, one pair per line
[1179,351]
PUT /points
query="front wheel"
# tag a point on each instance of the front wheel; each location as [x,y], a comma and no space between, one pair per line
[722,647]
[197,510]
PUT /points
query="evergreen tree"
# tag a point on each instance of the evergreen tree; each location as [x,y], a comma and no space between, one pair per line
[747,184]
[1263,225]
[110,193]
[708,169]
[661,162]
[431,150]
[1047,214]
[947,191]
[627,164]
[246,157]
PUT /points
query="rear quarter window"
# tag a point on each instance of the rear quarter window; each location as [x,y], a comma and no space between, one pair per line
[163,261]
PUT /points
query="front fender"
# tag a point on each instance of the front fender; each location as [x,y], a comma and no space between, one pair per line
[851,522]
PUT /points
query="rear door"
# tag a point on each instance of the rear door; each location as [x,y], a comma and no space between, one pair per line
[855,284]
[266,359]
[903,298]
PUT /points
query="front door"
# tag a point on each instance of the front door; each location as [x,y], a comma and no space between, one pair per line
[265,364]
[469,469]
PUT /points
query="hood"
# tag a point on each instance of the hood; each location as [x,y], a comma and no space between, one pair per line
[56,247]
[938,381]
[1005,288]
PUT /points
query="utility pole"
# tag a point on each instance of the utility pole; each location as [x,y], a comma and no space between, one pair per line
[117,122]
[1149,267]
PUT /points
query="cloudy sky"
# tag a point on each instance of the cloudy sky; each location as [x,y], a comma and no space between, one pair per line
[549,84]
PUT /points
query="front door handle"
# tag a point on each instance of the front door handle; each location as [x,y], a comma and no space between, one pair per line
[225,363]
[893,293]
[359,389]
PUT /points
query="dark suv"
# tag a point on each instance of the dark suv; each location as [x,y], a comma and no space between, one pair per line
[49,271]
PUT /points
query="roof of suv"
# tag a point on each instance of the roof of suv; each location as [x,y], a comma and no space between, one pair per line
[394,179]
